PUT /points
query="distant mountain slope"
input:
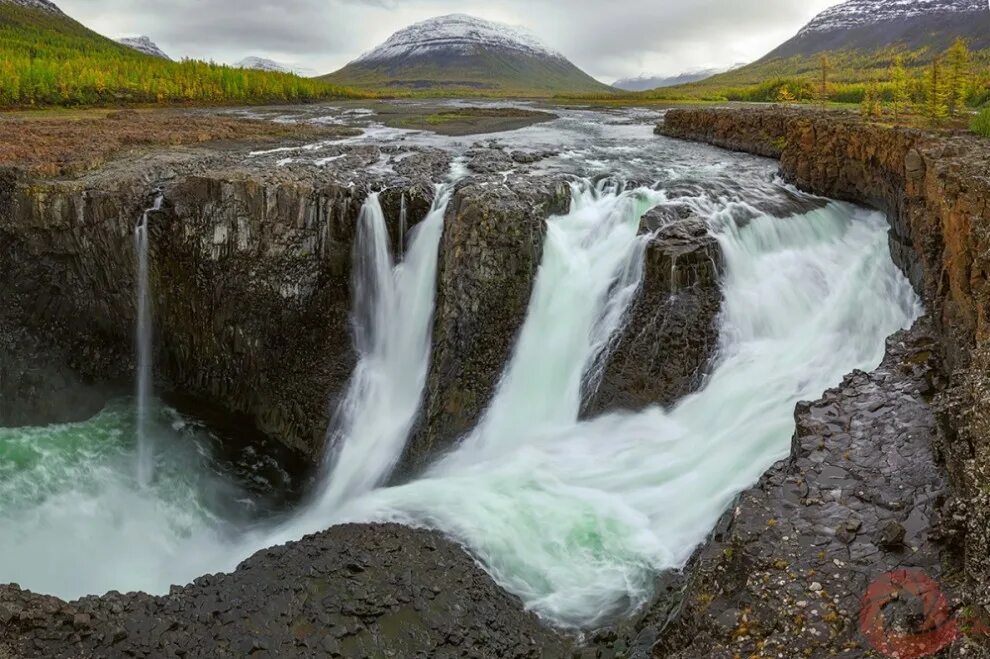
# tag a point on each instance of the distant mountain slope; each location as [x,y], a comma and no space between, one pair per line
[862,38]
[265,64]
[144,45]
[457,53]
[867,25]
[644,82]
[46,58]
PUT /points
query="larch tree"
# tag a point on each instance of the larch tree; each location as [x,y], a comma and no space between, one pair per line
[936,108]
[958,64]
[825,68]
[900,95]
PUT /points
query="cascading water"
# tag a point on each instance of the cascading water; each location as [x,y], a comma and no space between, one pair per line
[393,320]
[403,226]
[597,250]
[578,517]
[143,342]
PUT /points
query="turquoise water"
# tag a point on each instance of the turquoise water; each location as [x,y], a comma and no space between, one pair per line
[77,521]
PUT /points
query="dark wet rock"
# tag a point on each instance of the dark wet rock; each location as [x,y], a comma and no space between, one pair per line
[891,535]
[36,384]
[352,591]
[489,161]
[672,331]
[785,572]
[490,251]
[530,157]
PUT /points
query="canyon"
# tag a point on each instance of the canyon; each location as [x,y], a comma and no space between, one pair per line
[252,258]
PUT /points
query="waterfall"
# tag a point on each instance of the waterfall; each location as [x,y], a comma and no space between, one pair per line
[403,227]
[143,342]
[392,322]
[577,517]
[591,269]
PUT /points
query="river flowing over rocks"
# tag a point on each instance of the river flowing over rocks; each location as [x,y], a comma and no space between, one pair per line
[523,394]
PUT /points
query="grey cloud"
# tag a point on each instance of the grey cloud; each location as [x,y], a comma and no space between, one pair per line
[615,39]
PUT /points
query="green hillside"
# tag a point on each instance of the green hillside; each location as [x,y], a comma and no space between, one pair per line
[48,59]
[849,74]
[857,58]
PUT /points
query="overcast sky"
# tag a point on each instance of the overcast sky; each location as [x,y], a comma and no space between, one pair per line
[609,40]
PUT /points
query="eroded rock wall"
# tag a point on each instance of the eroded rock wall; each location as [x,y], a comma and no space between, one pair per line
[251,281]
[489,255]
[671,334]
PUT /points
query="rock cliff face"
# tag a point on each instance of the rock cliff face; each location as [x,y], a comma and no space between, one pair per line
[489,256]
[936,192]
[787,569]
[672,332]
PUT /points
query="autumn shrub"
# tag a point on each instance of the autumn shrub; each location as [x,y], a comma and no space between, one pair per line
[981,123]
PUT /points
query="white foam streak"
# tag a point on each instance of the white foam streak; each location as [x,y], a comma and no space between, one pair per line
[591,268]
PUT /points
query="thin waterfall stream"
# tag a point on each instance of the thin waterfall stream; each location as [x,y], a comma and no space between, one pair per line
[143,343]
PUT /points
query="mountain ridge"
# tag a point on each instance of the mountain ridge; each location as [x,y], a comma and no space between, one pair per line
[645,82]
[870,25]
[49,59]
[458,53]
[43,5]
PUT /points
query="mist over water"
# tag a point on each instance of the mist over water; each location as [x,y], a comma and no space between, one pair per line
[77,521]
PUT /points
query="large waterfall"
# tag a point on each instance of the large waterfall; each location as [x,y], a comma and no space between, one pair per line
[143,344]
[576,517]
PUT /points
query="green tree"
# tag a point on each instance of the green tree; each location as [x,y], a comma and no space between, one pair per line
[959,65]
[871,105]
[900,94]
[981,123]
[824,69]
[936,107]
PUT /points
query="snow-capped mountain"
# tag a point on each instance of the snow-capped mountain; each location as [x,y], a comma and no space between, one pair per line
[644,82]
[144,45]
[856,13]
[263,64]
[870,25]
[464,52]
[458,33]
[43,5]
